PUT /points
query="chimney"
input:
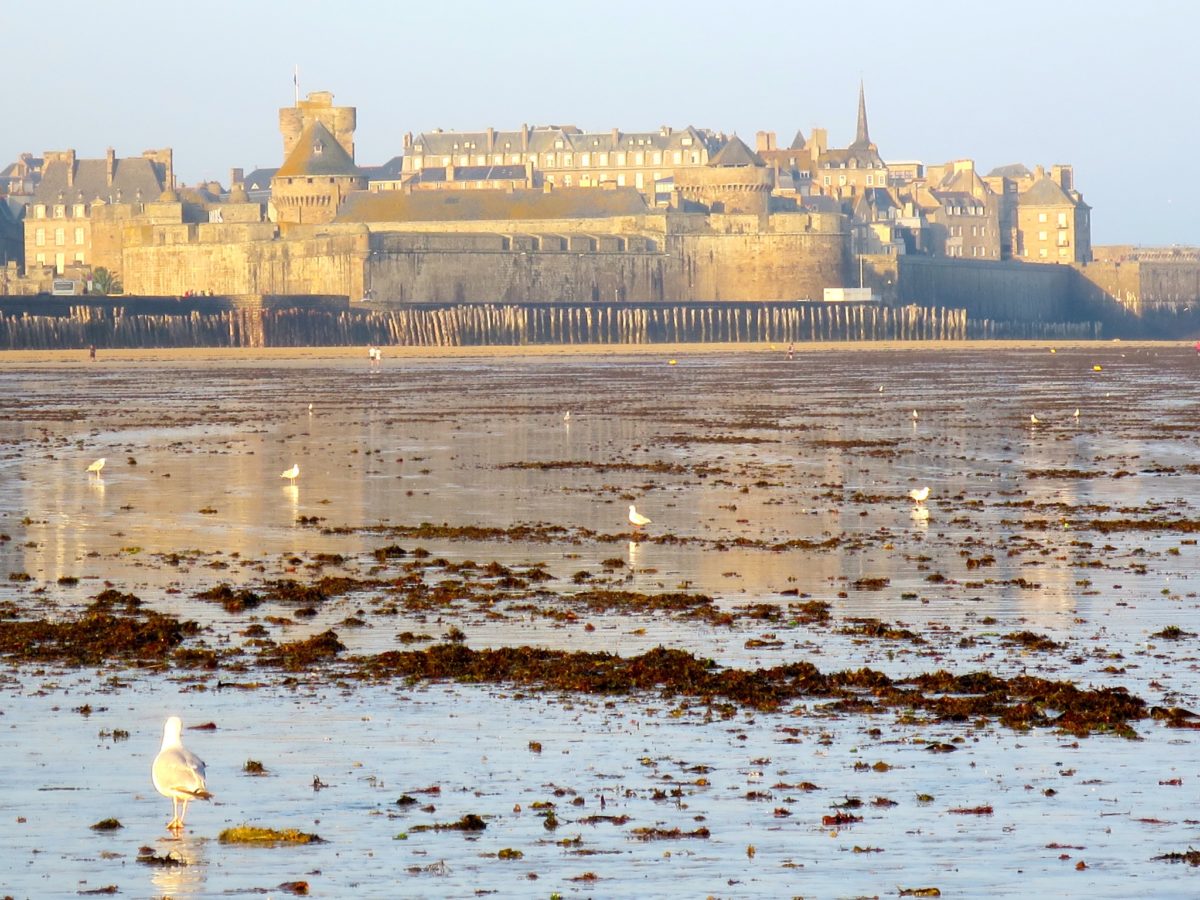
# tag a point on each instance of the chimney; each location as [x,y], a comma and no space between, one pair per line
[1039,172]
[69,159]
[236,176]
[1063,177]
[491,139]
[407,141]
[616,138]
[764,140]
[524,138]
[664,131]
[110,165]
[450,173]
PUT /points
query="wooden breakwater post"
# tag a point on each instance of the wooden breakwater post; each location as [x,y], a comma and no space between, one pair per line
[465,325]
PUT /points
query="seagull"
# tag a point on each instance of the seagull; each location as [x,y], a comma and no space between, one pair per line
[1034,420]
[292,473]
[178,773]
[636,519]
[97,465]
[567,416]
[881,389]
[919,495]
[915,415]
[1076,414]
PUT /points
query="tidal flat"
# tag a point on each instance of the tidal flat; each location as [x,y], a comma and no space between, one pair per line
[443,651]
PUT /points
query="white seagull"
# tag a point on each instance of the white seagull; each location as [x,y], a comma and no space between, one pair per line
[291,474]
[97,465]
[1034,420]
[1076,414]
[919,495]
[636,519]
[915,415]
[567,416]
[178,773]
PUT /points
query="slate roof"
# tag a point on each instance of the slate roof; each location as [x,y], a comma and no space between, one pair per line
[736,153]
[434,175]
[840,159]
[259,179]
[798,142]
[317,153]
[132,177]
[542,139]
[1045,192]
[389,171]
[1013,170]
[490,205]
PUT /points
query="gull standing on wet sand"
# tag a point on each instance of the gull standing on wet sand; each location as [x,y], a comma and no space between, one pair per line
[97,465]
[636,519]
[291,474]
[178,773]
[919,495]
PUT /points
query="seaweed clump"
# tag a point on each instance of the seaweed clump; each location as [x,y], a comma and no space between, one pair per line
[113,627]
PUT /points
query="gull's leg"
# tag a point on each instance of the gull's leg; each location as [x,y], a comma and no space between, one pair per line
[183,812]
[174,823]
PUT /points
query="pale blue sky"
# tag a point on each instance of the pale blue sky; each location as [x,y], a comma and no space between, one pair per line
[1109,87]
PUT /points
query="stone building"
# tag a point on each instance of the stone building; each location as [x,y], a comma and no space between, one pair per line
[71,216]
[565,156]
[318,170]
[736,181]
[845,173]
[1053,224]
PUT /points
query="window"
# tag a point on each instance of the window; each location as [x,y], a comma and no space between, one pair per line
[678,157]
[59,211]
[586,159]
[639,158]
[1041,235]
[60,237]
[39,211]
[870,180]
[604,159]
[825,181]
[1062,251]
[78,211]
[686,141]
[656,158]
[1041,217]
[79,257]
[1042,253]
[1062,220]
[60,262]
[41,259]
[841,180]
[79,237]
[39,237]
[620,159]
[621,179]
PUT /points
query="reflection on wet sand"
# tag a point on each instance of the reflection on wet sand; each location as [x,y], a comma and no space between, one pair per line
[771,489]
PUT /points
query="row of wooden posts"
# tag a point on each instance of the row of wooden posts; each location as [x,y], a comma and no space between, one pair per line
[484,325]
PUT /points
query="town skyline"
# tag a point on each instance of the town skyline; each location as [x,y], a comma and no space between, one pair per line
[216,113]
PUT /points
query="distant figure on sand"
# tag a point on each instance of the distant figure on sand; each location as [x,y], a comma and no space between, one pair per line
[375,355]
[791,351]
[92,351]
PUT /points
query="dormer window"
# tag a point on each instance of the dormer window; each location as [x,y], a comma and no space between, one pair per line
[318,147]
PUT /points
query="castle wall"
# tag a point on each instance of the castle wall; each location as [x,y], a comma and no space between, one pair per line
[990,290]
[328,264]
[550,266]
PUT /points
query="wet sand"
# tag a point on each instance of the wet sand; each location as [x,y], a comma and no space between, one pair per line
[771,484]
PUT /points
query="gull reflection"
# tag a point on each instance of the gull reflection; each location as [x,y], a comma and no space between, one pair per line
[185,873]
[920,515]
[97,486]
[292,493]
[634,550]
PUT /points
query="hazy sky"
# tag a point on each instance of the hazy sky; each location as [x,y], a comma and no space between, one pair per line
[1109,87]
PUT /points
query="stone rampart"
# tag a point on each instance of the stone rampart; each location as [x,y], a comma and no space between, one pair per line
[1010,291]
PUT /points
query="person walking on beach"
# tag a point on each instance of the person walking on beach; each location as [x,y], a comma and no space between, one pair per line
[791,351]
[92,352]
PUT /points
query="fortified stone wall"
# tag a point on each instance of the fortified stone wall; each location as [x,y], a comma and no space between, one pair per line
[547,268]
[991,290]
[327,264]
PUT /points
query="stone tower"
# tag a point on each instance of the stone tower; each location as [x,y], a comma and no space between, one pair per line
[318,170]
[339,121]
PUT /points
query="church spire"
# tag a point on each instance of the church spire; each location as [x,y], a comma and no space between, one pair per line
[862,138]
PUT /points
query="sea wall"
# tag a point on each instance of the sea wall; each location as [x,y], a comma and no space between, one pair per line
[1011,291]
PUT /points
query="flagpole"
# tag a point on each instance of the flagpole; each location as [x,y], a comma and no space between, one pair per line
[296,83]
